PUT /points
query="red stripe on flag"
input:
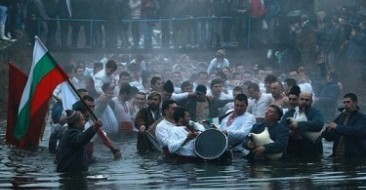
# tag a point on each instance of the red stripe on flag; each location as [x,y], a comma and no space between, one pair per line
[45,88]
[17,82]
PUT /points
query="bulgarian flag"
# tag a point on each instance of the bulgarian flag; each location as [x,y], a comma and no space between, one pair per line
[44,76]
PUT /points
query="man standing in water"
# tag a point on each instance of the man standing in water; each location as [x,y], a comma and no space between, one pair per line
[145,119]
[277,132]
[71,154]
[301,120]
[348,131]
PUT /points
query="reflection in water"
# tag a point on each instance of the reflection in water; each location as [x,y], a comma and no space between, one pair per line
[24,169]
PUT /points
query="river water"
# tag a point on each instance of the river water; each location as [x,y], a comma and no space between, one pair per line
[36,170]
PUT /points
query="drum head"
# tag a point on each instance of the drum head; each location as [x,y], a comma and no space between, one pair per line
[211,144]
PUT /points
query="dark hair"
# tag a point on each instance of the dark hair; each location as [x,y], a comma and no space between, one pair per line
[295,90]
[134,90]
[124,73]
[106,86]
[216,81]
[290,81]
[253,86]
[242,97]
[179,112]
[154,80]
[111,65]
[201,89]
[238,88]
[168,86]
[221,75]
[81,90]
[185,84]
[278,110]
[125,89]
[88,98]
[166,105]
[80,106]
[270,79]
[352,96]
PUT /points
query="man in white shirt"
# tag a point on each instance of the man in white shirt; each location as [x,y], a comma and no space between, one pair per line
[163,128]
[181,138]
[218,62]
[238,124]
[260,101]
[105,76]
[121,108]
[217,86]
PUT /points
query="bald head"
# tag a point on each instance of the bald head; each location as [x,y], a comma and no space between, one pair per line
[305,99]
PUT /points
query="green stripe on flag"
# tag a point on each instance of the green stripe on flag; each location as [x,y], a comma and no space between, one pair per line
[42,68]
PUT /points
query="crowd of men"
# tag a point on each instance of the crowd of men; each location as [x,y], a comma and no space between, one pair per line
[167,105]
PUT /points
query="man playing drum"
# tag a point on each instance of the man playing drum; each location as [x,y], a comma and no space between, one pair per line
[181,137]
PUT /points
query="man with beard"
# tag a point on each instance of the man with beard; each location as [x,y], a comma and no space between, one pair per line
[348,131]
[145,119]
[300,121]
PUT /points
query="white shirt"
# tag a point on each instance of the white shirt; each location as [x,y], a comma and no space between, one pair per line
[216,64]
[66,94]
[105,113]
[179,96]
[162,132]
[102,78]
[78,83]
[259,107]
[177,136]
[223,96]
[238,130]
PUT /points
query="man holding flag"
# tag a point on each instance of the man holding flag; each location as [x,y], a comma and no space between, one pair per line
[26,123]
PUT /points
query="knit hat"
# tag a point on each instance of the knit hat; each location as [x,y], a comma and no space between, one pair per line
[168,86]
[295,90]
[201,89]
[72,116]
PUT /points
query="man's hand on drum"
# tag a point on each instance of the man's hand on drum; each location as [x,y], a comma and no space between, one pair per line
[191,135]
[259,151]
[225,132]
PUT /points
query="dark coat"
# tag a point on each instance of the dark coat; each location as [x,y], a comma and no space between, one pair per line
[71,153]
[304,148]
[354,133]
[144,117]
[277,132]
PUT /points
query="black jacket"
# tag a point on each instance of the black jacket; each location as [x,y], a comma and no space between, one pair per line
[71,154]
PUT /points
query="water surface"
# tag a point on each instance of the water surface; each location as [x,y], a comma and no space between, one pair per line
[24,169]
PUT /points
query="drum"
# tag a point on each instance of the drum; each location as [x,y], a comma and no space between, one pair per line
[211,144]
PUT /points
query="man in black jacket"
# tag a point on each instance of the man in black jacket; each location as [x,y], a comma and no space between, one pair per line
[348,131]
[71,154]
